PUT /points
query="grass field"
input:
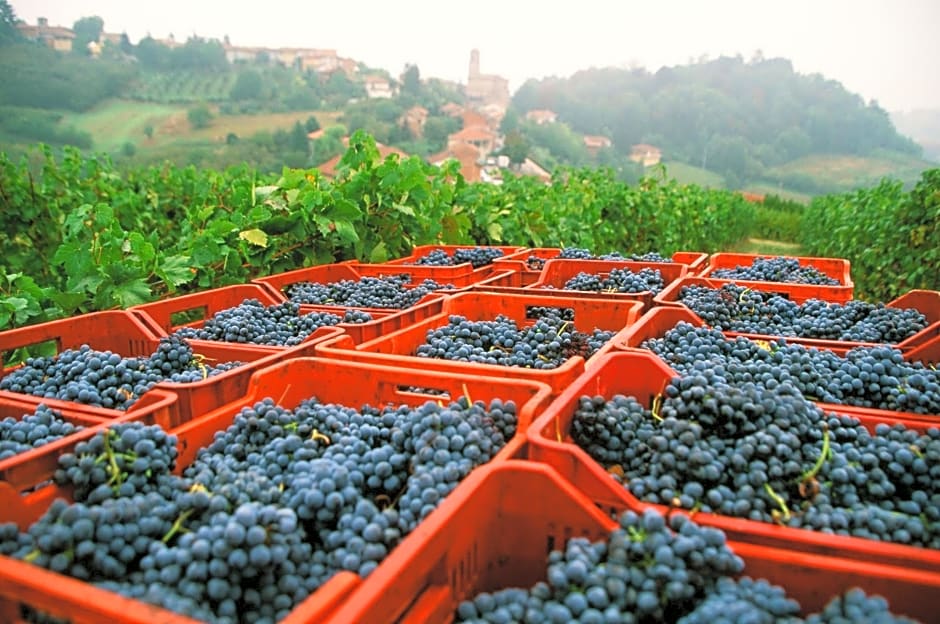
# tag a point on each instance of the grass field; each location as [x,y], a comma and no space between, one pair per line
[689,174]
[772,189]
[116,122]
[769,247]
[850,172]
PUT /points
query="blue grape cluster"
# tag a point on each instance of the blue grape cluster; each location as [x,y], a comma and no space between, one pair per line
[856,606]
[251,322]
[476,256]
[618,280]
[278,503]
[545,344]
[657,569]
[739,309]
[33,430]
[649,569]
[390,291]
[577,253]
[106,379]
[777,269]
[124,460]
[871,377]
[764,453]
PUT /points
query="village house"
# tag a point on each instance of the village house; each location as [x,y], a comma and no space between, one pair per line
[467,155]
[541,116]
[648,155]
[413,120]
[595,143]
[377,87]
[56,37]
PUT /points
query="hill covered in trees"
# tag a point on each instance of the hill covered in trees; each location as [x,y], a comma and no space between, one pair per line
[734,117]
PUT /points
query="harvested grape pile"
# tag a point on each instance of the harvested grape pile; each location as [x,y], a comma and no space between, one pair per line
[277,504]
[653,569]
[545,344]
[778,269]
[106,379]
[476,256]
[576,253]
[251,322]
[391,291]
[874,377]
[767,454]
[33,430]
[737,308]
[618,280]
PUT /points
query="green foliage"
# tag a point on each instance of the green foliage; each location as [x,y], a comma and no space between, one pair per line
[778,219]
[8,32]
[891,237]
[38,77]
[248,85]
[96,238]
[199,116]
[86,29]
[738,117]
[37,125]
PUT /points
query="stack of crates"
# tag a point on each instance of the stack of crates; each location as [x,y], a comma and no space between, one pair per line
[496,528]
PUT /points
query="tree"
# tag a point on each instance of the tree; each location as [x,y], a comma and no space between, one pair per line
[298,141]
[247,86]
[87,29]
[411,81]
[8,32]
[199,116]
[148,130]
[152,54]
[516,147]
[311,125]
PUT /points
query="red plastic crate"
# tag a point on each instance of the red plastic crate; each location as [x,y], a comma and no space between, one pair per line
[22,496]
[795,292]
[289,383]
[330,273]
[397,348]
[161,316]
[921,346]
[128,335]
[509,251]
[355,384]
[643,375]
[557,273]
[694,260]
[836,268]
[491,537]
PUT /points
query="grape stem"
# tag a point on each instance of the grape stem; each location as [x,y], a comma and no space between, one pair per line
[826,451]
[779,500]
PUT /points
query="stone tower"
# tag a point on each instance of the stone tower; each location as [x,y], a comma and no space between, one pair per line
[474,63]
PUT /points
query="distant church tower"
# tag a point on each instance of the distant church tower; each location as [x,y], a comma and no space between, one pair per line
[474,63]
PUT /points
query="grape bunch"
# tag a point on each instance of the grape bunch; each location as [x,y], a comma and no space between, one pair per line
[33,430]
[105,379]
[739,309]
[649,569]
[658,569]
[390,291]
[273,507]
[618,280]
[251,322]
[777,269]
[576,253]
[873,377]
[546,344]
[476,256]
[124,460]
[767,454]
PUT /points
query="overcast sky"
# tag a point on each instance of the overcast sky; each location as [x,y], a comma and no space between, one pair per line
[881,49]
